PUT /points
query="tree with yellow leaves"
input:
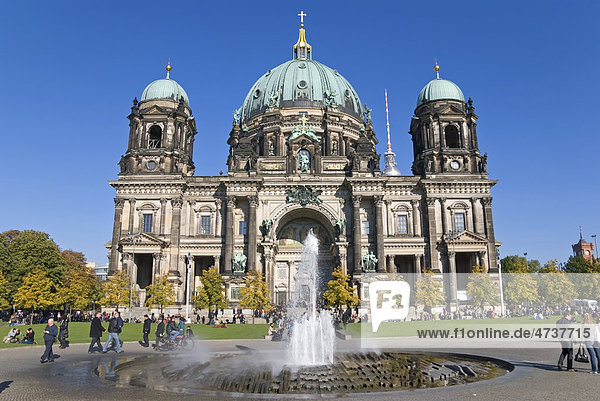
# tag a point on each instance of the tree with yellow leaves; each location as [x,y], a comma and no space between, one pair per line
[37,292]
[339,291]
[160,293]
[255,294]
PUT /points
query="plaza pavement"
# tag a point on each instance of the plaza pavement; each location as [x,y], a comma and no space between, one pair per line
[71,377]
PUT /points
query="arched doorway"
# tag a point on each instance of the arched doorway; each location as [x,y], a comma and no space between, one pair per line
[290,234]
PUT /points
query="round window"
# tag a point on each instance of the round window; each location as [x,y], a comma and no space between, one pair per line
[151,165]
[256,93]
[302,84]
[302,65]
[347,93]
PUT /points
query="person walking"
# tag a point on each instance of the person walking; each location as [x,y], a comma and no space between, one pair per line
[591,343]
[146,331]
[96,330]
[50,333]
[63,334]
[565,343]
[113,333]
[160,330]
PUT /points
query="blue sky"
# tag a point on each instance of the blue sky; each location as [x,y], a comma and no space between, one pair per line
[70,70]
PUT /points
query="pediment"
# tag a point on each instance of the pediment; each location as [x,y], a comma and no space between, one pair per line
[154,110]
[144,239]
[468,237]
[450,109]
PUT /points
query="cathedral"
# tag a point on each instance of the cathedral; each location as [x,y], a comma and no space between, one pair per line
[302,156]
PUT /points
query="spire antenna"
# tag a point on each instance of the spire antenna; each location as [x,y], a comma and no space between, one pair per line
[387,122]
[436,68]
[168,68]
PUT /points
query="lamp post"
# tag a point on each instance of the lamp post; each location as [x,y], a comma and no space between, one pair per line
[134,238]
[502,307]
[452,236]
[595,245]
[187,292]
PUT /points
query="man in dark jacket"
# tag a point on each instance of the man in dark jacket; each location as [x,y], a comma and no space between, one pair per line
[96,330]
[114,328]
[565,343]
[172,330]
[50,333]
[64,332]
[146,331]
[160,330]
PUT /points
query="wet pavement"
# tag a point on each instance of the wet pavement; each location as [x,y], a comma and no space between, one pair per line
[74,375]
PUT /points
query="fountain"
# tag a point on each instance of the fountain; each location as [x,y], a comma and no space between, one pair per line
[312,340]
[311,367]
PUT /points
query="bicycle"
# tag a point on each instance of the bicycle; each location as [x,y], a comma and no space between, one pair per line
[181,342]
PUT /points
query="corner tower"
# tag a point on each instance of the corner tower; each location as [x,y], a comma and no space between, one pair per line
[444,133]
[161,131]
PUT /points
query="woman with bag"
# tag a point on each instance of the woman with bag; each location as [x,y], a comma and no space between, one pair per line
[591,342]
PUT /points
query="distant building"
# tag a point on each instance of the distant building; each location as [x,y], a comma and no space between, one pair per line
[584,249]
[100,271]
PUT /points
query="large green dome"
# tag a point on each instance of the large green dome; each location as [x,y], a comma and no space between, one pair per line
[440,89]
[301,83]
[165,89]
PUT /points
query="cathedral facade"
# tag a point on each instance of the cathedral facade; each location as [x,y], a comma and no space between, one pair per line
[302,156]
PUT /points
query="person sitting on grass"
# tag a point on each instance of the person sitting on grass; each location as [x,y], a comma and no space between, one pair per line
[29,337]
[12,336]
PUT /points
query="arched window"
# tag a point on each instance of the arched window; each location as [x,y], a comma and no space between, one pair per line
[155,135]
[451,134]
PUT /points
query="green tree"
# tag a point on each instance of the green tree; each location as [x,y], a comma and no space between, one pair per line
[80,288]
[519,264]
[429,291]
[554,287]
[24,251]
[587,286]
[340,291]
[212,293]
[37,292]
[577,264]
[520,288]
[255,294]
[481,288]
[116,290]
[160,293]
[4,293]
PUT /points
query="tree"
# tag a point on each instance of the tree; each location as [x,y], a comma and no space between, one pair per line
[80,288]
[554,287]
[520,288]
[255,294]
[577,264]
[429,291]
[212,293]
[74,259]
[481,288]
[519,264]
[24,251]
[36,292]
[4,293]
[339,291]
[160,293]
[587,286]
[116,290]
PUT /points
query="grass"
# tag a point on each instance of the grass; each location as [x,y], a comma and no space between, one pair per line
[79,332]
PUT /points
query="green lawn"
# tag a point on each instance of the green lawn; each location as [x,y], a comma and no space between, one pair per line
[79,332]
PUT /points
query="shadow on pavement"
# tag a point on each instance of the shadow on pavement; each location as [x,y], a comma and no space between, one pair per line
[4,385]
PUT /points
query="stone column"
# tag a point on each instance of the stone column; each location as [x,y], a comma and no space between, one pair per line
[252,232]
[131,215]
[229,231]
[175,233]
[416,215]
[433,236]
[389,263]
[155,265]
[341,145]
[418,265]
[191,226]
[489,231]
[342,251]
[481,260]
[378,201]
[116,235]
[445,226]
[477,227]
[218,218]
[356,230]
[163,215]
[391,230]
[452,278]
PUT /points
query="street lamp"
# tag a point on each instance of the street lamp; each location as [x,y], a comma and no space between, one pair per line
[502,307]
[187,292]
[133,238]
[595,245]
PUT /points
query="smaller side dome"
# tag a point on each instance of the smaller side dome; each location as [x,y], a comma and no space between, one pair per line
[440,89]
[165,89]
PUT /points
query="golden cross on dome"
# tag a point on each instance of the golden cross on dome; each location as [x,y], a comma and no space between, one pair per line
[301,15]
